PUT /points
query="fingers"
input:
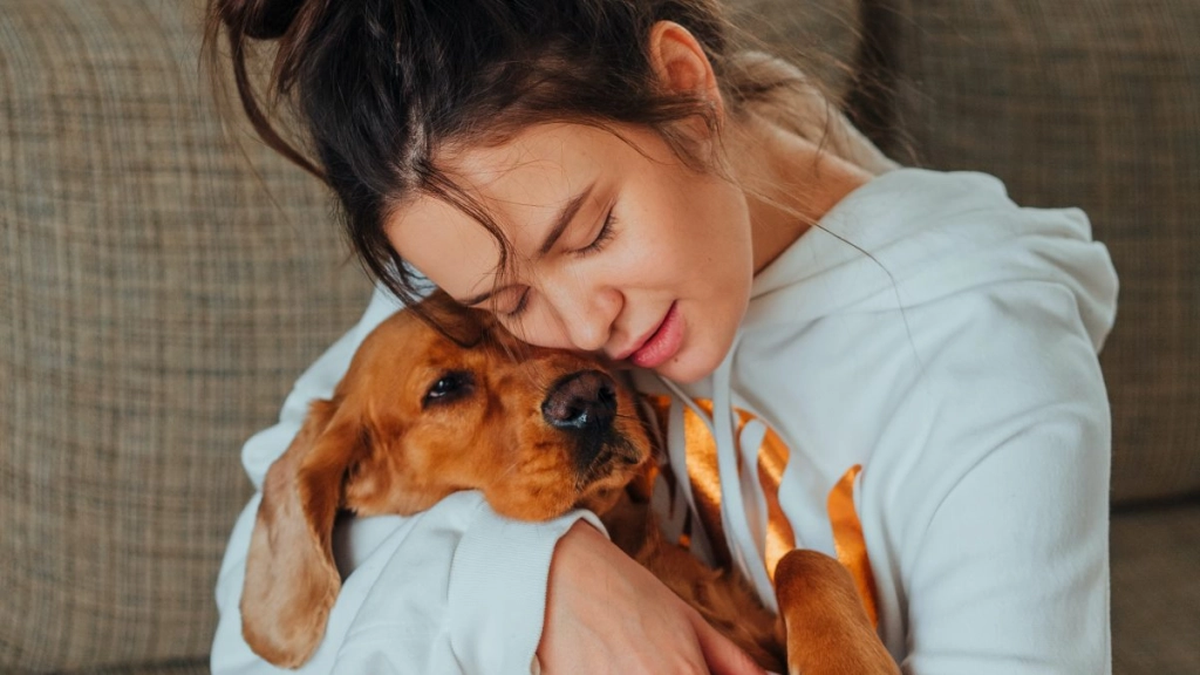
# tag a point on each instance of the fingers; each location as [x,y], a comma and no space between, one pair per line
[605,613]
[722,656]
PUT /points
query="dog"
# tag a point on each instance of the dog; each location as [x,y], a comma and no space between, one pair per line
[436,401]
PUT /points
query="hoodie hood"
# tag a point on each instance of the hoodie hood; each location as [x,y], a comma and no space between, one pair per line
[912,236]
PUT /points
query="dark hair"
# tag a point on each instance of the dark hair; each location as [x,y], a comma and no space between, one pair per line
[377,86]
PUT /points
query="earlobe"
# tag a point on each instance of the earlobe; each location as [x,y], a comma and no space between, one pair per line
[680,63]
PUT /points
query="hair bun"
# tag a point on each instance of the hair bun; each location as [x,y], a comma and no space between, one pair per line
[260,19]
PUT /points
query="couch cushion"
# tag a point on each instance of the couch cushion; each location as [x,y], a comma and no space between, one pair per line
[157,300]
[1156,590]
[1093,104]
[190,667]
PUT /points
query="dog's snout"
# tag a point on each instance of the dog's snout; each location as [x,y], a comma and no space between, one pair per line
[586,400]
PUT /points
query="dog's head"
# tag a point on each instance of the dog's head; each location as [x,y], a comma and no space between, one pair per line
[422,413]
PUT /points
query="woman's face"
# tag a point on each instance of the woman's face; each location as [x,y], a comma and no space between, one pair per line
[617,247]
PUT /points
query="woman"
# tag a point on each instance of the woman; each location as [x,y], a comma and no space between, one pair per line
[908,358]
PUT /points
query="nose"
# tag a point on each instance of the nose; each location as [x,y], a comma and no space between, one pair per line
[585,315]
[584,401]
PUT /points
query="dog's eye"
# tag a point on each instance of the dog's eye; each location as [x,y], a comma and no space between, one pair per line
[449,387]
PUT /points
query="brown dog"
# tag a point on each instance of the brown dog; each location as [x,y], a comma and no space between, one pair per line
[422,413]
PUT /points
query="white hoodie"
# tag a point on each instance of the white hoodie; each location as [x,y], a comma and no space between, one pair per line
[931,333]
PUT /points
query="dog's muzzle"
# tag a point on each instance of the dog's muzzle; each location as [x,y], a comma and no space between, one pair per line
[585,401]
[583,404]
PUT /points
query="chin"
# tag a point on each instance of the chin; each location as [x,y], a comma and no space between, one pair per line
[686,368]
[702,352]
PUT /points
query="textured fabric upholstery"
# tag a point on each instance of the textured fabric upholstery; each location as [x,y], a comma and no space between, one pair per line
[1156,590]
[155,307]
[1092,104]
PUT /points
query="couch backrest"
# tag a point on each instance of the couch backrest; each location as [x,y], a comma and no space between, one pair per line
[155,307]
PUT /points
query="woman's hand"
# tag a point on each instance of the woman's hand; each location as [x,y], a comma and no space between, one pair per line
[607,614]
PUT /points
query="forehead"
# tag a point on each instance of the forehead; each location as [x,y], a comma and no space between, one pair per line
[521,184]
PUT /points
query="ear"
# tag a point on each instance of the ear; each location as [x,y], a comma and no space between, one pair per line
[291,579]
[462,325]
[680,64]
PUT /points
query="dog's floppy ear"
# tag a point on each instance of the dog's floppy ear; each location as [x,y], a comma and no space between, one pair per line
[461,325]
[291,578]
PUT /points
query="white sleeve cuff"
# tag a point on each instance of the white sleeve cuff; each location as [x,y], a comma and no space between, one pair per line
[498,582]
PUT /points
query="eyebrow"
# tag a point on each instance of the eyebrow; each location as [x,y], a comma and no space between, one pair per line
[565,215]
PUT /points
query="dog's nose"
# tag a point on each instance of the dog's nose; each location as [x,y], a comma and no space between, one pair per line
[586,400]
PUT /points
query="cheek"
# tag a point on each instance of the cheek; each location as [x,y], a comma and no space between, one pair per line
[694,224]
[722,224]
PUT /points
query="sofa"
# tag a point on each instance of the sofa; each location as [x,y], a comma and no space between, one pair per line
[164,279]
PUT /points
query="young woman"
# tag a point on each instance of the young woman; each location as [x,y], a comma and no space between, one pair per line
[894,366]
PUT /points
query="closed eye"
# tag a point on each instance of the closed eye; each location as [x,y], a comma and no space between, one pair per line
[522,303]
[604,236]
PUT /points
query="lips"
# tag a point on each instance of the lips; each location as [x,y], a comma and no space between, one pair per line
[663,343]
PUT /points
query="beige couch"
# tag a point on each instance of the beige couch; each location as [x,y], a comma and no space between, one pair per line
[158,295]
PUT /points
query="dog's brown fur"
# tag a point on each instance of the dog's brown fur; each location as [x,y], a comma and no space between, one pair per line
[384,445]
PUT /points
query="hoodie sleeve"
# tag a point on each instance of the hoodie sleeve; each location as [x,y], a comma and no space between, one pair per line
[1007,571]
[456,589]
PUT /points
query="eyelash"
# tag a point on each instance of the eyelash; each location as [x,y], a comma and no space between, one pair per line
[520,308]
[603,237]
